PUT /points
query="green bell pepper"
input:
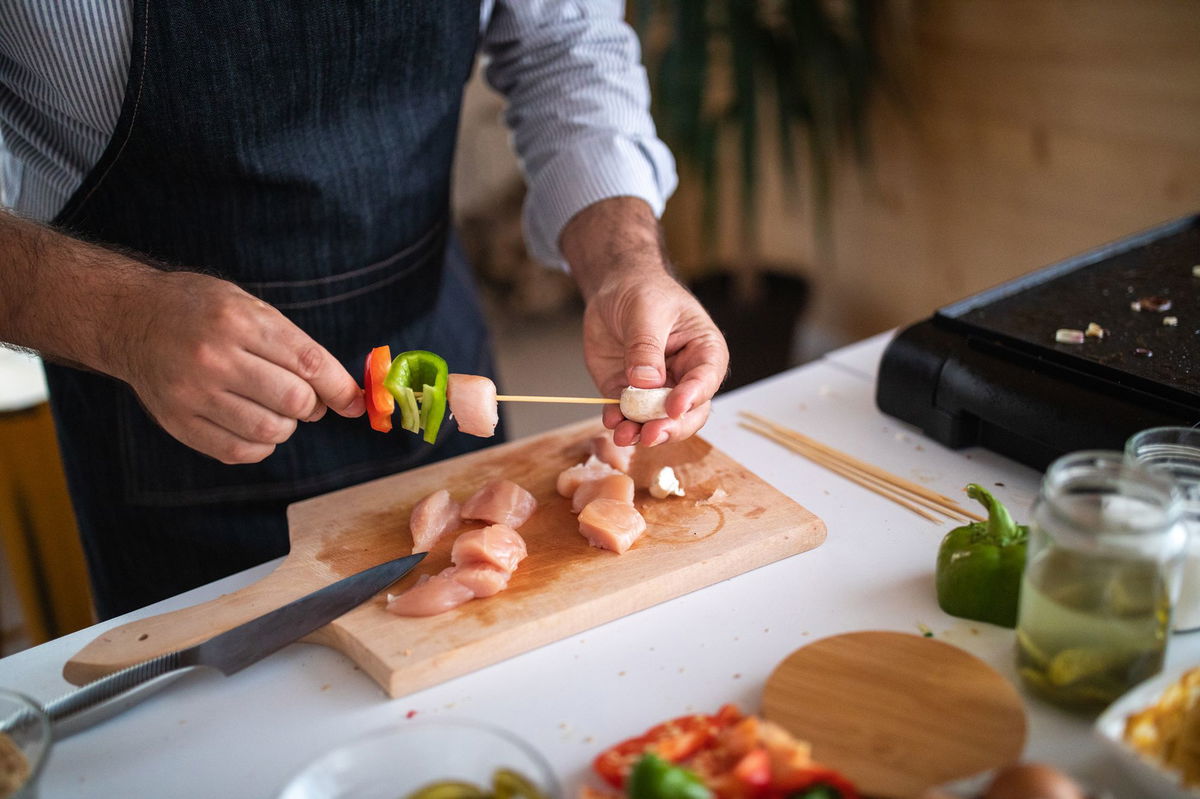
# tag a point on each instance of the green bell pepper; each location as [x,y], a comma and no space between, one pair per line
[655,778]
[426,372]
[979,565]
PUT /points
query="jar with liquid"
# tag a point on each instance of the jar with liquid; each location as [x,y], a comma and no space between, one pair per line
[1176,451]
[1101,576]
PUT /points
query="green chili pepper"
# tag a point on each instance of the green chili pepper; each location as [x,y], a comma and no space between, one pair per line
[423,371]
[979,565]
[655,778]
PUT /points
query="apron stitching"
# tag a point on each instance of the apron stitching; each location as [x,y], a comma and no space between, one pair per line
[391,259]
[133,113]
[346,295]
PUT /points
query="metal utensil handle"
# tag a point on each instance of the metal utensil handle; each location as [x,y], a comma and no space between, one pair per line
[113,686]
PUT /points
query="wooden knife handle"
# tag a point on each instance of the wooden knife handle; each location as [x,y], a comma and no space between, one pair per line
[152,637]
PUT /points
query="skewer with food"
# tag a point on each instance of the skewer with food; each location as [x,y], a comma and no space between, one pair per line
[418,384]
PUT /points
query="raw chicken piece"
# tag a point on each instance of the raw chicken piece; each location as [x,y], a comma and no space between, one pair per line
[472,400]
[430,596]
[483,579]
[591,469]
[611,524]
[602,447]
[499,545]
[611,486]
[500,502]
[433,517]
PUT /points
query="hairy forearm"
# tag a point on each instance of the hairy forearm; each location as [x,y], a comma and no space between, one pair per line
[62,297]
[611,238]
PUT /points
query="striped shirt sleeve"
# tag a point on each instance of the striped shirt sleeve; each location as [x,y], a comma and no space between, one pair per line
[62,81]
[578,107]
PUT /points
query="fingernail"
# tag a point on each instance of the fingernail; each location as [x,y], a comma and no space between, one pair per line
[659,438]
[357,407]
[643,373]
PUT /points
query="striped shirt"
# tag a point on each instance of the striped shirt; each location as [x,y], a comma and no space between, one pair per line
[578,103]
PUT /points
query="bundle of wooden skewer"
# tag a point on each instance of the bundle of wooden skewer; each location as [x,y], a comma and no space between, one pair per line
[912,496]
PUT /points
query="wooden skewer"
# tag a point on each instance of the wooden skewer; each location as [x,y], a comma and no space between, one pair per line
[881,489]
[854,474]
[907,487]
[577,400]
[867,467]
[526,398]
[857,473]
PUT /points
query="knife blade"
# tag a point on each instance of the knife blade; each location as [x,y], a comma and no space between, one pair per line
[228,652]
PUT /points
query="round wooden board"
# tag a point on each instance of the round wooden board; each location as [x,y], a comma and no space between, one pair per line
[897,713]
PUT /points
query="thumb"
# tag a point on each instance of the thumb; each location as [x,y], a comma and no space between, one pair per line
[645,340]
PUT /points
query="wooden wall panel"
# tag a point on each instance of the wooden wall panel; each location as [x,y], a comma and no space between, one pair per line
[1039,128]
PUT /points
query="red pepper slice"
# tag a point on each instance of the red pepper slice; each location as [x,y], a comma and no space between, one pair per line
[754,770]
[674,741]
[380,402]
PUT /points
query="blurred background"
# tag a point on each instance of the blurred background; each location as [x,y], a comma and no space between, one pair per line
[846,168]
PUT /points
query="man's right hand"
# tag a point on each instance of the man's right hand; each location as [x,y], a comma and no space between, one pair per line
[220,370]
[226,373]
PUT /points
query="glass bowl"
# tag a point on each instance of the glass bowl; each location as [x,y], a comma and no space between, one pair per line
[24,745]
[395,761]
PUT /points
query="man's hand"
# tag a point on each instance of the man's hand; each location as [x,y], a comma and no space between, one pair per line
[220,370]
[641,327]
[226,373]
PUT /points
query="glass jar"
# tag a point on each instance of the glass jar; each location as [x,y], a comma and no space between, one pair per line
[1101,575]
[1176,450]
[24,745]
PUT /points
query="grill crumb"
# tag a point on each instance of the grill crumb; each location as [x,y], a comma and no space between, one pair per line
[1156,304]
[1066,335]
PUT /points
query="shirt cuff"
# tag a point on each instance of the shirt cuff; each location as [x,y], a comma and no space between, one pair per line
[598,168]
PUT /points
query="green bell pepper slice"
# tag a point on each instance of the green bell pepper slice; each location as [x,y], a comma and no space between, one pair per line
[426,372]
[979,565]
[655,778]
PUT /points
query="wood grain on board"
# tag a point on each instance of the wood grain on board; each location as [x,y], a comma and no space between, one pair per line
[562,588]
[895,712]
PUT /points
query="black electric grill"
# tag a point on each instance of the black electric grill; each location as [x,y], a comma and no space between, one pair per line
[988,371]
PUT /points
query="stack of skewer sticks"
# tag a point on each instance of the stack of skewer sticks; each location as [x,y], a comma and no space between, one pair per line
[905,493]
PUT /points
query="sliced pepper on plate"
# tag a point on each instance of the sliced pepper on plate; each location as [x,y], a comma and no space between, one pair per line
[672,741]
[979,565]
[425,372]
[655,778]
[380,402]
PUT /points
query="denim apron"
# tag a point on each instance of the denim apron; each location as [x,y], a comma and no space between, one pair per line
[301,150]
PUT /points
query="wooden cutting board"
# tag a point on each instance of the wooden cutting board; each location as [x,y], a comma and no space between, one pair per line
[562,588]
[895,712]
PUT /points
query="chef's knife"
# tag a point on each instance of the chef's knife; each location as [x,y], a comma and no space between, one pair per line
[229,652]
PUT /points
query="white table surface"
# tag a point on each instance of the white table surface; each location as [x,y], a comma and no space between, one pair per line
[246,735]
